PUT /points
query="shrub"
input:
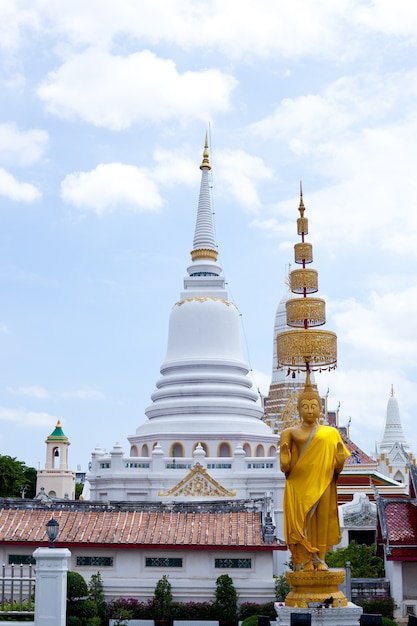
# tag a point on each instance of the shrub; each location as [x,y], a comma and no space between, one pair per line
[193,610]
[84,609]
[76,586]
[162,598]
[136,609]
[383,606]
[282,588]
[225,599]
[96,593]
[386,621]
[250,621]
[121,616]
[363,560]
[249,609]
[79,606]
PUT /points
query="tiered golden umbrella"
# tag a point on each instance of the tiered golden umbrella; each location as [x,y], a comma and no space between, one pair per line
[305,348]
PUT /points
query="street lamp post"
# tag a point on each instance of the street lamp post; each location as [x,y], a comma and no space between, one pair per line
[51,580]
[52,529]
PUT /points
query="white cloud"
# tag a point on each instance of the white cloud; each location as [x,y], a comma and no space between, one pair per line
[174,168]
[85,393]
[40,393]
[116,91]
[111,186]
[241,173]
[32,390]
[26,418]
[234,28]
[117,186]
[399,18]
[357,140]
[21,147]
[380,329]
[14,19]
[317,122]
[15,190]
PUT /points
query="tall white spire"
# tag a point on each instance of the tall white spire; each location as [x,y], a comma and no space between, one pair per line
[204,242]
[394,452]
[393,432]
[204,274]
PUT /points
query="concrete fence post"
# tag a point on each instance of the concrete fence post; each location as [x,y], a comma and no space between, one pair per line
[51,586]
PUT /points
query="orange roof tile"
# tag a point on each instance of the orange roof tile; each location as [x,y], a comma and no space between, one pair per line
[134,525]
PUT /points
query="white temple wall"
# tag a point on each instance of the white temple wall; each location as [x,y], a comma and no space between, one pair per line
[129,576]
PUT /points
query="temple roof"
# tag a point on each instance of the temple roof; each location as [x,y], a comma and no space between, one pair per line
[137,525]
[57,434]
[357,456]
[397,528]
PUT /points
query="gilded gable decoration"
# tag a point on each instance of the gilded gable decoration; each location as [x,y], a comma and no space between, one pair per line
[198,484]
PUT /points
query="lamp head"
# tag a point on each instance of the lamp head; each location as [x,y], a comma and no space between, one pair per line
[52,528]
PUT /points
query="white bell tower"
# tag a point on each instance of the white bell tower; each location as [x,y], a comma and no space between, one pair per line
[56,480]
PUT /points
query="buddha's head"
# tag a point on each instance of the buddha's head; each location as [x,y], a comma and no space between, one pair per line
[309,402]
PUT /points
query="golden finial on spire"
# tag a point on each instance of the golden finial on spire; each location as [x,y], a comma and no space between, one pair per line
[301,208]
[205,163]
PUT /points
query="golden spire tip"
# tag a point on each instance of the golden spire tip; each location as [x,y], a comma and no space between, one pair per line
[205,163]
[301,208]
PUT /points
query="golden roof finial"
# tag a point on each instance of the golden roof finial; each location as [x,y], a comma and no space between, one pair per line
[301,208]
[205,163]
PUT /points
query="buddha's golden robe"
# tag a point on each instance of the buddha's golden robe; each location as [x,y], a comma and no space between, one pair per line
[313,474]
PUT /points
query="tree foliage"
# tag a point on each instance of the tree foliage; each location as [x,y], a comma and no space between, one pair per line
[282,588]
[78,490]
[226,599]
[96,593]
[76,586]
[363,560]
[15,476]
[163,598]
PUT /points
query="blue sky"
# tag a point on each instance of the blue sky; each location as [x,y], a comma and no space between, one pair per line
[103,114]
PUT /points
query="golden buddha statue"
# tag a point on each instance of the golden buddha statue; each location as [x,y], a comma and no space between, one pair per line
[312,457]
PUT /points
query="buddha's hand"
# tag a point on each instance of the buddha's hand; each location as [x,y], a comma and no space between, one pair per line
[340,456]
[285,457]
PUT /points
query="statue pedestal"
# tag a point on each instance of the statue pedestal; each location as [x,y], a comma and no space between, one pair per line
[348,615]
[317,587]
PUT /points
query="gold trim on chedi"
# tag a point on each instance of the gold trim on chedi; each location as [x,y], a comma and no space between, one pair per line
[204,253]
[205,299]
[198,484]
